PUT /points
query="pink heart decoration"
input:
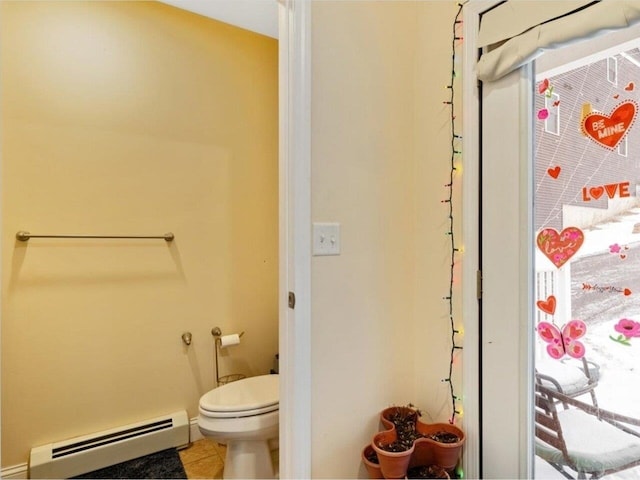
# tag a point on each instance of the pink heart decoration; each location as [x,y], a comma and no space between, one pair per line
[560,247]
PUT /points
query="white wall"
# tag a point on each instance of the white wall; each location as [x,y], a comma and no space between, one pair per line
[380,159]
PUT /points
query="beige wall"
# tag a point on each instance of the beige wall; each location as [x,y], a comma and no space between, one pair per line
[380,159]
[131,118]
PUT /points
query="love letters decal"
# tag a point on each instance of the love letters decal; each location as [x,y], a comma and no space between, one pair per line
[609,130]
[611,190]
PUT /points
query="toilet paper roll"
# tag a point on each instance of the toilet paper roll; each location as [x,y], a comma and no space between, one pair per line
[229,340]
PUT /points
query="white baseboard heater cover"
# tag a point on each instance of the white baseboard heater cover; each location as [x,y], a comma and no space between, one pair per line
[80,455]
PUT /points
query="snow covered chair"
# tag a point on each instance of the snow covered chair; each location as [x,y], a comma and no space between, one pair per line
[584,438]
[572,377]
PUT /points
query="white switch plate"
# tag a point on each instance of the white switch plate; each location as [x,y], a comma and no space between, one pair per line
[326,238]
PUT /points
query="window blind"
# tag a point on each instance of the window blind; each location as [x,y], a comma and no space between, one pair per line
[517,31]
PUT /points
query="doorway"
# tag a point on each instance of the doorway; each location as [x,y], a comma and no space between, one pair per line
[509,119]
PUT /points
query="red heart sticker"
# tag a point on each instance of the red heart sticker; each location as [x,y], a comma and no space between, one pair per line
[560,247]
[554,172]
[543,86]
[596,192]
[627,292]
[609,130]
[630,86]
[548,306]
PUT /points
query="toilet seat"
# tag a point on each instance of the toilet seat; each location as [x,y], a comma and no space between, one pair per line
[239,413]
[244,398]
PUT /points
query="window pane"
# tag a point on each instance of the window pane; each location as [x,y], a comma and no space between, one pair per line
[587,262]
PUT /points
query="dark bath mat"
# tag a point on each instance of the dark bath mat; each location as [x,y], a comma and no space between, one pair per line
[164,464]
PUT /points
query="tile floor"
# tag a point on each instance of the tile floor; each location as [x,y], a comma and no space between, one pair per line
[205,459]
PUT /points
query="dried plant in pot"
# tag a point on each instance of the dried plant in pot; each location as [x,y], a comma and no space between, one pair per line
[402,418]
[371,463]
[395,445]
[444,443]
[437,444]
[393,454]
[427,471]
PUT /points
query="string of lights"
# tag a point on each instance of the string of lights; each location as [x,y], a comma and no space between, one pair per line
[455,152]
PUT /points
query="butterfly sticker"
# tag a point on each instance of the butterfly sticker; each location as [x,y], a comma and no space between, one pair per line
[563,341]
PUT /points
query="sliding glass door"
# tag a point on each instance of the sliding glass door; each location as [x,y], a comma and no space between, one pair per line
[587,262]
[561,260]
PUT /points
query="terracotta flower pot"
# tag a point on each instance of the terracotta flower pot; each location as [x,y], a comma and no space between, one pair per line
[431,447]
[427,471]
[445,455]
[373,469]
[392,464]
[388,413]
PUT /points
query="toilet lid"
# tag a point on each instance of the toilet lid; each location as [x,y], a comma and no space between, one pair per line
[249,396]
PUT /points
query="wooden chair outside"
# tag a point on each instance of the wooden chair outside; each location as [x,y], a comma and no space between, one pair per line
[586,439]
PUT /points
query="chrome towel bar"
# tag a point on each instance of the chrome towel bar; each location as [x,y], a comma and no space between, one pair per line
[24,236]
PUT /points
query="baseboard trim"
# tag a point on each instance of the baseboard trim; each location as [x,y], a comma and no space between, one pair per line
[20,471]
[194,431]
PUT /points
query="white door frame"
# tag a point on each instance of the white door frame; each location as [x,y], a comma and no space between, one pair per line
[471,232]
[505,354]
[295,243]
[507,253]
[295,264]
[505,337]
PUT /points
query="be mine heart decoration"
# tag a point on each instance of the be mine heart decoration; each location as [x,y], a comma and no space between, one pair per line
[609,130]
[560,247]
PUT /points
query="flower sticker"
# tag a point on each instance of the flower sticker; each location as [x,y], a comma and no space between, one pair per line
[627,329]
[619,250]
[615,248]
[543,114]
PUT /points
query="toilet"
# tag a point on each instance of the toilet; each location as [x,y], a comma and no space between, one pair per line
[244,415]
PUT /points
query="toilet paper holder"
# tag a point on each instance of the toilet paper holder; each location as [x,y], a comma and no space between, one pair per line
[217,335]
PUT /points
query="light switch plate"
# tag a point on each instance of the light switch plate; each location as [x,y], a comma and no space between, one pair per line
[326,239]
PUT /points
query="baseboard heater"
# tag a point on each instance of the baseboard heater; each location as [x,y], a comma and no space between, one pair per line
[80,455]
